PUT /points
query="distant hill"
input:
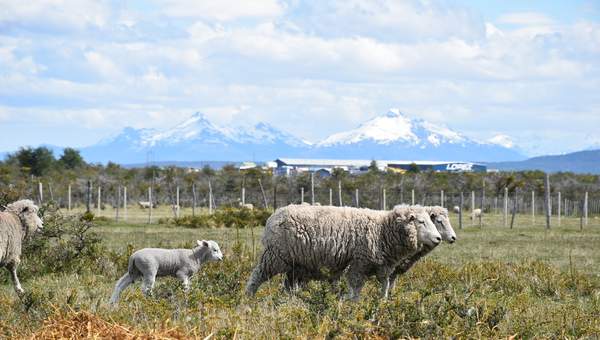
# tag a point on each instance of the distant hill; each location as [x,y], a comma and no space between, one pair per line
[581,162]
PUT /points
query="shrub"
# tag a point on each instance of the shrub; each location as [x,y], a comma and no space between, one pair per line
[226,217]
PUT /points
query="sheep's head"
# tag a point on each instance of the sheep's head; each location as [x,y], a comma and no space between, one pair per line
[28,214]
[209,251]
[418,217]
[439,217]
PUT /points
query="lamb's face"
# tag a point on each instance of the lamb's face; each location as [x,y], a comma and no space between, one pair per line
[427,234]
[211,249]
[442,223]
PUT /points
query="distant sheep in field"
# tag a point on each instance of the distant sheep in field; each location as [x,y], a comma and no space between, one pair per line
[248,206]
[456,209]
[145,204]
[476,213]
[148,263]
[17,224]
[361,242]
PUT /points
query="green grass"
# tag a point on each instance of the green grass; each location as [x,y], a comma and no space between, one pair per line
[494,282]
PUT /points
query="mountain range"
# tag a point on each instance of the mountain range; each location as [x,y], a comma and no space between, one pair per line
[392,135]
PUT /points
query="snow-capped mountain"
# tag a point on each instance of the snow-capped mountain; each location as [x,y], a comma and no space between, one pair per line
[392,135]
[197,139]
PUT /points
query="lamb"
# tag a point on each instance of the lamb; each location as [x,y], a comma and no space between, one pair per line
[17,224]
[148,263]
[475,214]
[456,209]
[361,242]
[439,217]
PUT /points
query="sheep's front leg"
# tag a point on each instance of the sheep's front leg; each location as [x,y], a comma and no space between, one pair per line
[384,279]
[12,267]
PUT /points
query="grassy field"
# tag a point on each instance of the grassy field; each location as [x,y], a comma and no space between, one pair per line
[494,282]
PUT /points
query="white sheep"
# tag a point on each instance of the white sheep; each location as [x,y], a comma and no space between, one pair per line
[456,209]
[18,222]
[145,204]
[248,206]
[476,213]
[361,242]
[148,263]
[439,217]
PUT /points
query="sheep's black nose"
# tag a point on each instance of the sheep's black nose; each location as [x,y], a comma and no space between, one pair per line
[452,239]
[438,239]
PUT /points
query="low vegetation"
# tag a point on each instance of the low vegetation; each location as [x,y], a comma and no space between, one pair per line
[494,282]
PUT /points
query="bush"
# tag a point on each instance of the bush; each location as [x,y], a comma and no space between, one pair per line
[66,244]
[227,218]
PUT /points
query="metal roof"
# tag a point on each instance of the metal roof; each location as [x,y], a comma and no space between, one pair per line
[358,162]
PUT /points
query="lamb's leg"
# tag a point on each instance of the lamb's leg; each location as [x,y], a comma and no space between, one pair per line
[185,280]
[12,267]
[123,282]
[148,284]
[392,280]
[269,265]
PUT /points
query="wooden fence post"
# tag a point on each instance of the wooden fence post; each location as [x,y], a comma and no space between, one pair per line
[412,195]
[384,203]
[88,203]
[312,188]
[585,208]
[558,210]
[69,199]
[356,195]
[99,200]
[460,211]
[301,195]
[194,198]
[125,203]
[547,202]
[150,203]
[340,193]
[532,207]
[41,192]
[118,203]
[262,190]
[210,198]
[442,198]
[330,196]
[472,208]
[243,194]
[505,206]
[514,210]
[177,202]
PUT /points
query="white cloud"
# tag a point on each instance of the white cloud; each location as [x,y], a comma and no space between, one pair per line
[76,14]
[223,10]
[526,19]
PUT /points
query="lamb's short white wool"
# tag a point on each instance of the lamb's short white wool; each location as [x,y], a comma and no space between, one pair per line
[148,263]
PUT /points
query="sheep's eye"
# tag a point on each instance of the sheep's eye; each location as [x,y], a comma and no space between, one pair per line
[421,221]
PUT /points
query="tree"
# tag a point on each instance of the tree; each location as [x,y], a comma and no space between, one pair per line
[71,159]
[37,161]
[413,168]
[373,167]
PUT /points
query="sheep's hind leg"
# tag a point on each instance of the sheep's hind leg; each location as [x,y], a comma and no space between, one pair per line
[269,265]
[384,279]
[12,267]
[356,280]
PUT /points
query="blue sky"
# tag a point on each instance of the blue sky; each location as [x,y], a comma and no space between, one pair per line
[73,72]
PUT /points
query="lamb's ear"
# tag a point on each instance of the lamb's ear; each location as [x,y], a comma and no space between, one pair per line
[25,209]
[202,243]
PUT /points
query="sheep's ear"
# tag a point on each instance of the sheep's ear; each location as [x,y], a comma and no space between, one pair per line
[25,209]
[412,217]
[202,243]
